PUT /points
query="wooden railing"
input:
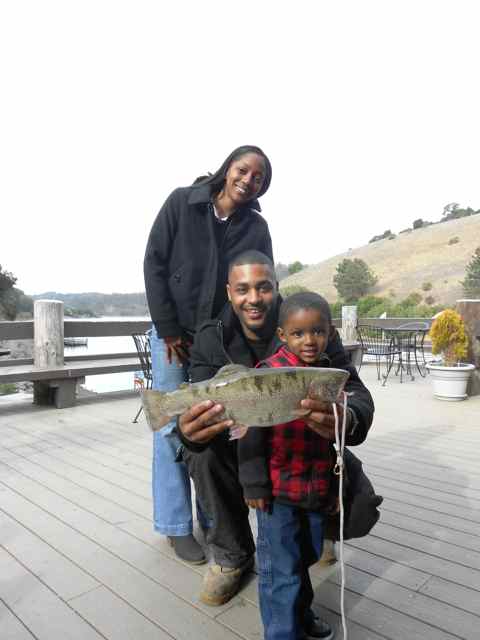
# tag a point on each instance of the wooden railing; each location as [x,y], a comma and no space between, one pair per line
[23,329]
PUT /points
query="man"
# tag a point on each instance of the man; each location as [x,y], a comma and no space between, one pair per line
[245,333]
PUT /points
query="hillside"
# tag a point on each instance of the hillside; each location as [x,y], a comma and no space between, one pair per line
[101,304]
[407,261]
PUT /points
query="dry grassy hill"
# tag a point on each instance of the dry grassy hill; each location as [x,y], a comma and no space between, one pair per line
[403,264]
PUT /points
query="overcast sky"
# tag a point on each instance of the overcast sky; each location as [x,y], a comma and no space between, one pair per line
[369,111]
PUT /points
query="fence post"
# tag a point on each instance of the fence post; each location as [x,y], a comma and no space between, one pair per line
[470,312]
[349,324]
[48,335]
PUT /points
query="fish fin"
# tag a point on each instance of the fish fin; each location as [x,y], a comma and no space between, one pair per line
[238,431]
[151,401]
[229,369]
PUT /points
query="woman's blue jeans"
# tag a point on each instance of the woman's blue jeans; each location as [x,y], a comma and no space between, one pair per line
[289,541]
[172,501]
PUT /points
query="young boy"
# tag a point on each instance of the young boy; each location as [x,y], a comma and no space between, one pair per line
[285,473]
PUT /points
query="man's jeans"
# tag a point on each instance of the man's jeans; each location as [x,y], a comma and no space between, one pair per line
[289,541]
[172,502]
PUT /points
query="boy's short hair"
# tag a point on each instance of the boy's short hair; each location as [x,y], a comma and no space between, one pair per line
[303,300]
[252,256]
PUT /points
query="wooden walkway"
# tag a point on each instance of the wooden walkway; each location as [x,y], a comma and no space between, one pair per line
[79,561]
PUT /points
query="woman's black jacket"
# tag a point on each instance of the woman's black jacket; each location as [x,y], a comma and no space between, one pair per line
[183,267]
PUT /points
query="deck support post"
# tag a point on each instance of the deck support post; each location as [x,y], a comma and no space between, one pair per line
[470,312]
[349,323]
[48,333]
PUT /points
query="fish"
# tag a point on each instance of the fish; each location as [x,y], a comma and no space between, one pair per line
[251,397]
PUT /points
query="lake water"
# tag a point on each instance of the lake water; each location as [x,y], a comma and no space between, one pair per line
[114,344]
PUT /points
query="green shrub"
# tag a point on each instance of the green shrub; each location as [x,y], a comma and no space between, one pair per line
[7,388]
[412,300]
[291,289]
[426,286]
[367,303]
[454,240]
[430,300]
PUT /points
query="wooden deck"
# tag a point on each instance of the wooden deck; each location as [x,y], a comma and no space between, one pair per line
[79,561]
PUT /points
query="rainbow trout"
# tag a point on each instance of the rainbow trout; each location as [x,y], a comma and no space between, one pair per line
[251,397]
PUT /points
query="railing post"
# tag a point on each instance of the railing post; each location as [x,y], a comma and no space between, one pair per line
[48,334]
[349,324]
[470,312]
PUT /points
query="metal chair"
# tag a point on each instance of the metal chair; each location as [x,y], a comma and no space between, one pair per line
[142,344]
[376,342]
[415,344]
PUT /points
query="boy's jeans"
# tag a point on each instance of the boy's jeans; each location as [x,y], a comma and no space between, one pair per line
[172,502]
[289,541]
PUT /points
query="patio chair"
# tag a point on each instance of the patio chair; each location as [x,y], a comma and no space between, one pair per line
[142,344]
[375,341]
[415,344]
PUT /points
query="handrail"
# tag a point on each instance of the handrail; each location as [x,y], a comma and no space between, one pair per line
[75,358]
[23,329]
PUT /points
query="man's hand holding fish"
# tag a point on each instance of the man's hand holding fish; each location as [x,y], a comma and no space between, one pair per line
[200,423]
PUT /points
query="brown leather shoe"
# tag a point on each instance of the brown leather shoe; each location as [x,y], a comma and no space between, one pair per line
[328,554]
[187,548]
[220,584]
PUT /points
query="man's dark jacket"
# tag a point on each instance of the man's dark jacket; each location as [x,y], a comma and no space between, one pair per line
[184,269]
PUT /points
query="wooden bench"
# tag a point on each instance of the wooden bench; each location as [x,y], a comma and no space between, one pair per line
[57,385]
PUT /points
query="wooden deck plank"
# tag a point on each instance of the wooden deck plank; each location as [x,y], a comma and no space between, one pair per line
[437,548]
[377,617]
[159,604]
[77,495]
[46,563]
[429,457]
[471,505]
[12,628]
[463,598]
[428,503]
[418,605]
[422,514]
[146,586]
[156,561]
[432,531]
[384,568]
[115,618]
[453,480]
[42,612]
[139,488]
[424,562]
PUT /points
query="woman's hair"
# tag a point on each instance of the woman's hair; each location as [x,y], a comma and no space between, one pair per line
[304,300]
[217,179]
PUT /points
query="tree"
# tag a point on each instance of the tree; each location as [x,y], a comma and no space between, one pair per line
[7,280]
[353,279]
[471,284]
[295,267]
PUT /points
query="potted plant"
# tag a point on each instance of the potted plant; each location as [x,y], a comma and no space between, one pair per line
[450,375]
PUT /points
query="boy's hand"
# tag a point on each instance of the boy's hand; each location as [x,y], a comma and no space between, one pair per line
[321,417]
[258,503]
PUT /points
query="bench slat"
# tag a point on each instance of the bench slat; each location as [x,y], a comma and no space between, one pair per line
[73,369]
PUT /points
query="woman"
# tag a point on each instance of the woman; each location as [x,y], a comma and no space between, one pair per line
[198,231]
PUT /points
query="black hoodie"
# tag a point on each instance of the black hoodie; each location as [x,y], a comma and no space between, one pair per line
[185,270]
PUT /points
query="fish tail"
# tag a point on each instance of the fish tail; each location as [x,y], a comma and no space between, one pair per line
[152,401]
